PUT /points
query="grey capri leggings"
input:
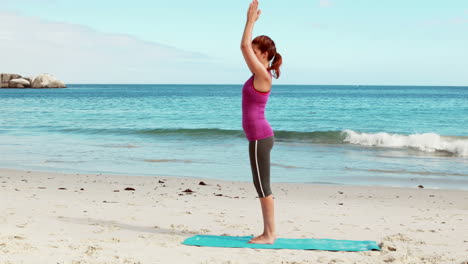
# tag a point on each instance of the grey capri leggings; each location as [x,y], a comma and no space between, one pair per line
[259,152]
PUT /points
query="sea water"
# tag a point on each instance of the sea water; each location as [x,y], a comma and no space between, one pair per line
[357,135]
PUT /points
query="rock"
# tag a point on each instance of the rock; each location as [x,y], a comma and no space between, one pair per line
[14,85]
[8,80]
[47,81]
[6,77]
[391,248]
[21,81]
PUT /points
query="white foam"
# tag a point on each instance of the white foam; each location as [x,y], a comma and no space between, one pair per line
[428,142]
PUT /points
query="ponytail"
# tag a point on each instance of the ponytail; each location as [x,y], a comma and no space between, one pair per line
[275,65]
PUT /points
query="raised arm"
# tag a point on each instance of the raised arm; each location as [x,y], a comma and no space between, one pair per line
[255,66]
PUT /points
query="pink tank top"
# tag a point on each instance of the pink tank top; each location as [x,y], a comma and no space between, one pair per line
[254,123]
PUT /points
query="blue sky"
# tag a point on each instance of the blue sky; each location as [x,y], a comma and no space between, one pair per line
[322,41]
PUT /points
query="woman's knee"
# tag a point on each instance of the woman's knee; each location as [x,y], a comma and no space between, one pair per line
[263,190]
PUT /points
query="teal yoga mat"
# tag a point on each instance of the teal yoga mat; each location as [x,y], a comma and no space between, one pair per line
[286,243]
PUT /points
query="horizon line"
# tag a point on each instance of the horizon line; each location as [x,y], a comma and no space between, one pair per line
[357,85]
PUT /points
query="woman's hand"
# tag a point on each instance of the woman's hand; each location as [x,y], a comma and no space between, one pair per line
[254,13]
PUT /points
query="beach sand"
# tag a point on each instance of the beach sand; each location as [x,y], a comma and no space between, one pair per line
[95,220]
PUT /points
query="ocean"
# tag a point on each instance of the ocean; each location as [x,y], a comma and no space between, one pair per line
[355,135]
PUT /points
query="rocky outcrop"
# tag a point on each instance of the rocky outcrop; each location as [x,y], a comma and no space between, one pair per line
[40,81]
[19,83]
[22,81]
[11,85]
[5,79]
[46,81]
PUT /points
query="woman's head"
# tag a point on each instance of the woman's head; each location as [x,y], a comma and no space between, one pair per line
[265,49]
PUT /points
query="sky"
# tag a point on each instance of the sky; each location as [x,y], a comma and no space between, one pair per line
[322,42]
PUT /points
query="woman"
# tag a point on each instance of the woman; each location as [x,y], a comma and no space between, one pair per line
[258,54]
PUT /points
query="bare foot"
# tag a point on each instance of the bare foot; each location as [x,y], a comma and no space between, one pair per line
[263,239]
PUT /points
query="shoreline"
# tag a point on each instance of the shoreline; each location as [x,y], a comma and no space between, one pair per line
[95,220]
[416,181]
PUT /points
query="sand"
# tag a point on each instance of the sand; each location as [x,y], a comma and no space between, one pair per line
[90,218]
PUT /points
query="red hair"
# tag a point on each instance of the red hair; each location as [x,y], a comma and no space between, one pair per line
[266,44]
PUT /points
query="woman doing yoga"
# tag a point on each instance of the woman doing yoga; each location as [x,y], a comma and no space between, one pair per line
[258,54]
